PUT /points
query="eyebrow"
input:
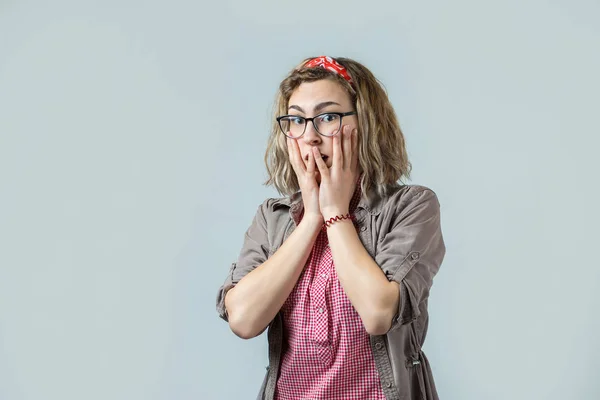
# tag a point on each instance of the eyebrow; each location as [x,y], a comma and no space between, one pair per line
[317,108]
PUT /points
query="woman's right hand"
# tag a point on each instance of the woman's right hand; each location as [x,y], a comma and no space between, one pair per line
[307,180]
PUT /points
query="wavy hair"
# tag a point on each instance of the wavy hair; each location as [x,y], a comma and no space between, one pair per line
[382,154]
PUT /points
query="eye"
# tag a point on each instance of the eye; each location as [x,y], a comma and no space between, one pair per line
[329,117]
[296,120]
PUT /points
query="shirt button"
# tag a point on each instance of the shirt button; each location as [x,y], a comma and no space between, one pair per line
[323,276]
[378,345]
[363,228]
[414,256]
[388,384]
[321,310]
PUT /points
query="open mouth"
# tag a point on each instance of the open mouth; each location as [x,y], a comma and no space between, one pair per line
[323,156]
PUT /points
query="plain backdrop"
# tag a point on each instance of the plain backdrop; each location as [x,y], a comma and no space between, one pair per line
[132,136]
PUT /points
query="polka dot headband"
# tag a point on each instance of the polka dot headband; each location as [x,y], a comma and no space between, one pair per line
[329,64]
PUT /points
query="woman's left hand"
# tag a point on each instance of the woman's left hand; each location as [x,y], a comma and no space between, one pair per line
[338,182]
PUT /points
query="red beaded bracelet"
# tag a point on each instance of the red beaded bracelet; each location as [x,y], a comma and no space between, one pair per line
[337,218]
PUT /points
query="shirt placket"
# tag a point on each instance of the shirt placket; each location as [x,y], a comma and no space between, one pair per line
[320,307]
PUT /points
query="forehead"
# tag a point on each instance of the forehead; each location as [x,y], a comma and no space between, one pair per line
[312,93]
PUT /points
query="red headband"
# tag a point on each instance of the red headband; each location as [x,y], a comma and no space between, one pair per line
[329,64]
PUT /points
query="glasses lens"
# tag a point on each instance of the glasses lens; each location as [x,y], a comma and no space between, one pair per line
[292,126]
[328,124]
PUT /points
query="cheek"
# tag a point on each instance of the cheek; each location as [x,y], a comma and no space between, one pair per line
[329,148]
[302,148]
[303,151]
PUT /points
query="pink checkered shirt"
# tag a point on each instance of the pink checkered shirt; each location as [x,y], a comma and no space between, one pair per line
[327,352]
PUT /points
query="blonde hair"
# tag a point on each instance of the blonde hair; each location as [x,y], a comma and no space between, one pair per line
[382,154]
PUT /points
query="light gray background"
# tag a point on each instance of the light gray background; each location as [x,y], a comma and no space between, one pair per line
[131,145]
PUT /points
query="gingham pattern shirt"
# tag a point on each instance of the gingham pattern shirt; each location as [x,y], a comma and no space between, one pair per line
[327,352]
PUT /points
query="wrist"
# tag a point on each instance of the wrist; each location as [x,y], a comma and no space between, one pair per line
[337,219]
[334,212]
[313,221]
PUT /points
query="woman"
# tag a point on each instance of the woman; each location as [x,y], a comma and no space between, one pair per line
[340,268]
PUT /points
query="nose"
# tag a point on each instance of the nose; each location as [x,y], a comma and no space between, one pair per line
[311,136]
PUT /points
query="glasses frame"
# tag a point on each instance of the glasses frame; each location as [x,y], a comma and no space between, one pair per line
[312,119]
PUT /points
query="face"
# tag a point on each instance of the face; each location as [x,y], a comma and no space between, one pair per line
[314,98]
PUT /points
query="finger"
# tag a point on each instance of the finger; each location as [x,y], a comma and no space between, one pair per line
[338,157]
[291,154]
[354,163]
[311,166]
[320,164]
[347,147]
[295,157]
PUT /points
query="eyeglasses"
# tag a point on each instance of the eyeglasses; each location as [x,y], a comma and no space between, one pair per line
[326,124]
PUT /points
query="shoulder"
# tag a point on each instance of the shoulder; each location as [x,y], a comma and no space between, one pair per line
[275,204]
[404,198]
[276,210]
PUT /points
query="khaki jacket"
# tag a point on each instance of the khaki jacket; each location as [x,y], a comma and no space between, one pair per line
[402,233]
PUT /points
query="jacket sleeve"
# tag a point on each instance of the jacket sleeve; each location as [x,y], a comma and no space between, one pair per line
[412,251]
[254,252]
